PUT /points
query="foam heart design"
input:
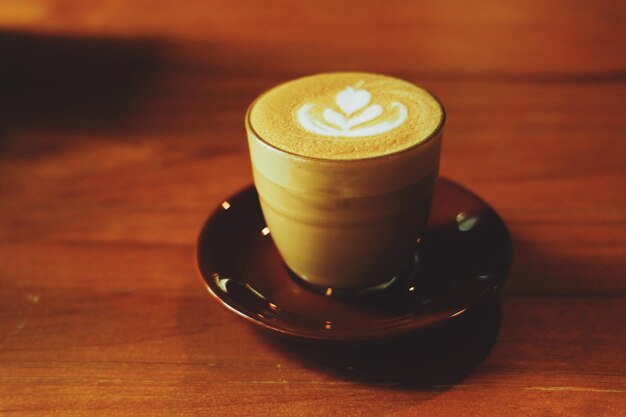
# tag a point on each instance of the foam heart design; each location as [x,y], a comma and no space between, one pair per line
[355,113]
[350,100]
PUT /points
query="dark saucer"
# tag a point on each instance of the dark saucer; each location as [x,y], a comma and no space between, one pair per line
[462,258]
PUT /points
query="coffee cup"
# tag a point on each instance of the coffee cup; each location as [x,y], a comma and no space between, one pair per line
[345,166]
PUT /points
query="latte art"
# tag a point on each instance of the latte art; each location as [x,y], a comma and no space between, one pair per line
[345,116]
[354,116]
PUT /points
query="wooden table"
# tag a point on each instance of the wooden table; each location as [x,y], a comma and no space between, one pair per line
[121,128]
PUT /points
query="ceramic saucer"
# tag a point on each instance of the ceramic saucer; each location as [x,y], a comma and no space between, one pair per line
[462,258]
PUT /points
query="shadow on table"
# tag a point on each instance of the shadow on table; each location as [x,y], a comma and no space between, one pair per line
[539,270]
[437,358]
[61,83]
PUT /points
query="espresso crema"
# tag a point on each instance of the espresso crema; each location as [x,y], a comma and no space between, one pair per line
[345,116]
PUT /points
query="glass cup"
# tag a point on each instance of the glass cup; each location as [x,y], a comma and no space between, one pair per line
[346,224]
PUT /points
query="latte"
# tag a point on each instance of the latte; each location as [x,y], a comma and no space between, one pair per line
[345,166]
[345,116]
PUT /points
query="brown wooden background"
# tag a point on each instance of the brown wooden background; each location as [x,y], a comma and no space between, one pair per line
[121,128]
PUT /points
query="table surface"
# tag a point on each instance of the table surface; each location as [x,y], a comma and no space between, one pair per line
[121,128]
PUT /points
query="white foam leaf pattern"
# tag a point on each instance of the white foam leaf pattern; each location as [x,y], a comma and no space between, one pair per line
[353,104]
[331,116]
[366,115]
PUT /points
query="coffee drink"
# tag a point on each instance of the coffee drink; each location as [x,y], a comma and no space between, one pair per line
[345,166]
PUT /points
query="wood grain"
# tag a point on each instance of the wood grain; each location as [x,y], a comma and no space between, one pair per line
[121,127]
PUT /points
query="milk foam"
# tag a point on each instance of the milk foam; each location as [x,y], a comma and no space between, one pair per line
[345,116]
[353,114]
